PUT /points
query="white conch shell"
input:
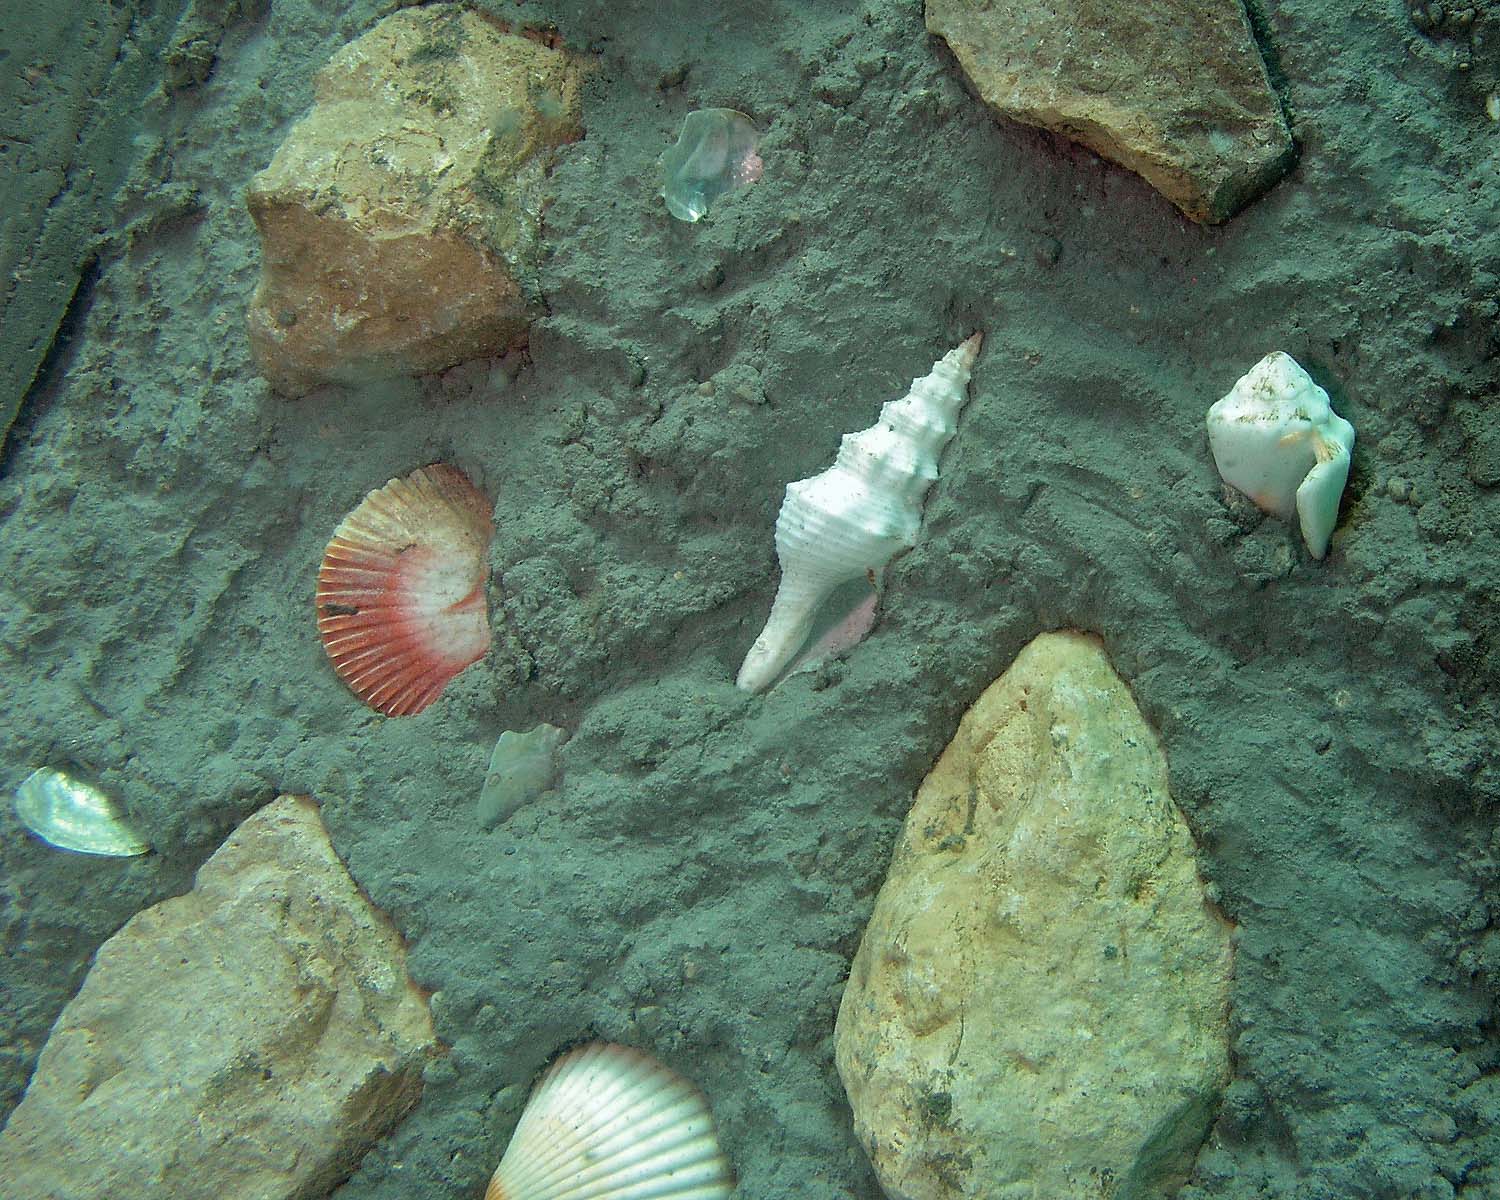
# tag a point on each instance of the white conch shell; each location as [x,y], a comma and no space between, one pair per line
[606,1121]
[860,513]
[1275,438]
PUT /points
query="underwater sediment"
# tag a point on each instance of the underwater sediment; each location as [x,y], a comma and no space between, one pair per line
[697,886]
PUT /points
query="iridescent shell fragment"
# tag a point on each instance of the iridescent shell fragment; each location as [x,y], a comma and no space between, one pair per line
[73,815]
[715,153]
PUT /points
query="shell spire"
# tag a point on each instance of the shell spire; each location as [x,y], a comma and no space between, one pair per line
[851,520]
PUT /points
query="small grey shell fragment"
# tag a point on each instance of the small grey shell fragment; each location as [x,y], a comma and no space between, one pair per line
[73,815]
[523,766]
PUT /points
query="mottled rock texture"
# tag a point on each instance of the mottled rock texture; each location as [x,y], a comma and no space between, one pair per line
[400,219]
[1039,1006]
[1175,91]
[251,1038]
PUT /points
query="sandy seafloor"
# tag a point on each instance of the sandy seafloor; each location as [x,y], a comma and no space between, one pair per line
[701,882]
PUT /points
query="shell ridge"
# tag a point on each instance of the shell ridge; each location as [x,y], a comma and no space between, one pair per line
[628,1110]
[400,592]
[622,1143]
[608,1123]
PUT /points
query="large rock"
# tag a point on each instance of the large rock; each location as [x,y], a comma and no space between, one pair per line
[251,1038]
[400,219]
[1039,1005]
[1175,90]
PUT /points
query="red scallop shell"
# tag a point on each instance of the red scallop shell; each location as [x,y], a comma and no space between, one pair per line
[401,605]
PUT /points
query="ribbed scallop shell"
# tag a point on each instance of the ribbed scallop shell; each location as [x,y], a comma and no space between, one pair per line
[400,599]
[860,513]
[606,1122]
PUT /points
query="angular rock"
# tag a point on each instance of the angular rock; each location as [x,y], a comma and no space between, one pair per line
[1174,90]
[251,1038]
[400,220]
[1039,1005]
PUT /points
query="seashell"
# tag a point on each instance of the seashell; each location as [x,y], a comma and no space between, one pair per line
[851,520]
[842,634]
[1275,438]
[606,1122]
[714,154]
[73,815]
[401,606]
[522,767]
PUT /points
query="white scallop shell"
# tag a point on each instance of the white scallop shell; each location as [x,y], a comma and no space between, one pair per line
[73,815]
[860,513]
[1276,438]
[606,1122]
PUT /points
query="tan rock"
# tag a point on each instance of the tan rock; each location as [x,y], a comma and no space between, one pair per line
[1175,90]
[1039,1005]
[251,1038]
[400,219]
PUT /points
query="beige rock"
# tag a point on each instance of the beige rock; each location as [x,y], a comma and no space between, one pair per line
[251,1038]
[1175,90]
[1039,1005]
[400,219]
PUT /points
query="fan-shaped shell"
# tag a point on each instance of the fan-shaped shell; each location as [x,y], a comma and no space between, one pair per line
[606,1122]
[401,605]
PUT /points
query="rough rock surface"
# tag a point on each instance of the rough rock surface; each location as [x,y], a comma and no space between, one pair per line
[400,219]
[1039,1006]
[251,1038]
[1175,91]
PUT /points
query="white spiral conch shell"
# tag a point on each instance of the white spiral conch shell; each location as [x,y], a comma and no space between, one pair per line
[856,516]
[1275,438]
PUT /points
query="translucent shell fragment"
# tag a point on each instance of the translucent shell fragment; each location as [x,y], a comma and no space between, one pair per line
[609,1123]
[523,766]
[1276,438]
[715,153]
[401,605]
[72,815]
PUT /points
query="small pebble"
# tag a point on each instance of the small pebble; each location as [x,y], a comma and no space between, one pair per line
[1398,489]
